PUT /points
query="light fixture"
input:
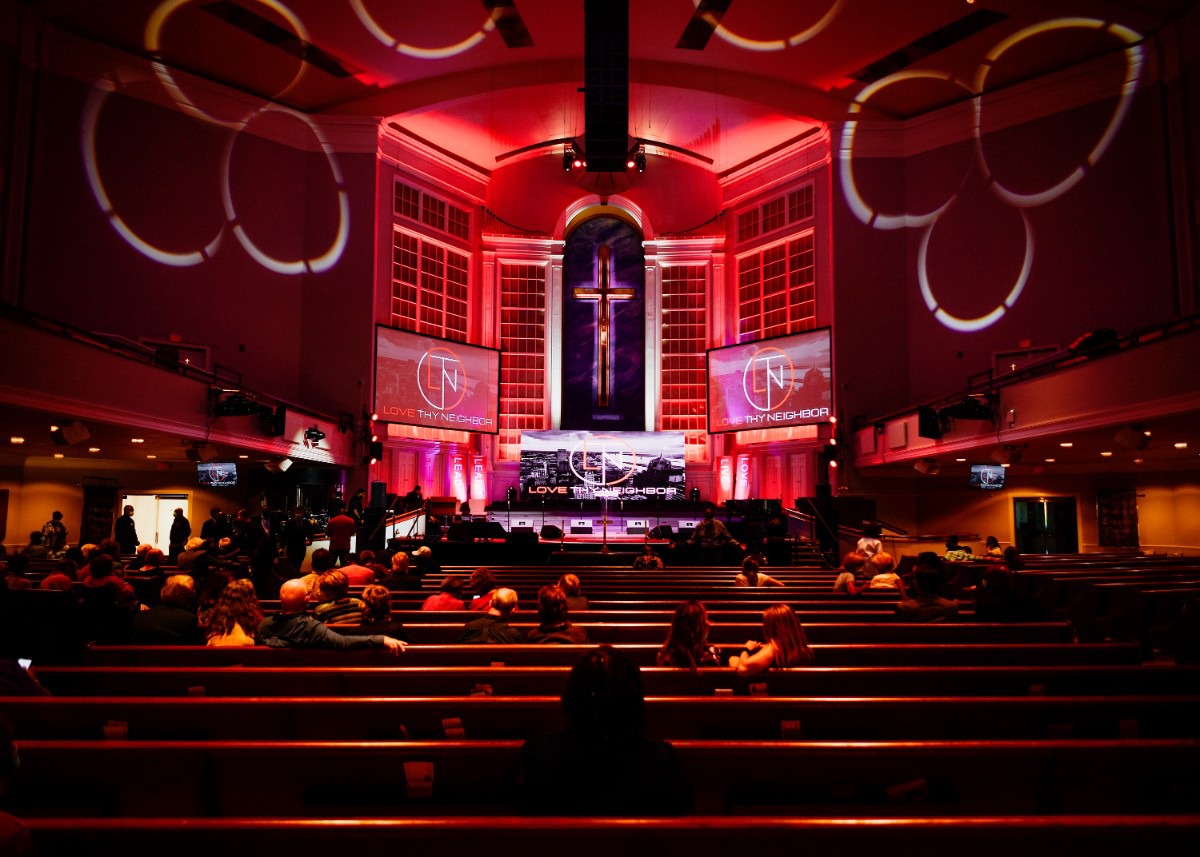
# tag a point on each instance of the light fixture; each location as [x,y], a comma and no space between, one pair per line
[152,456]
[1050,460]
[93,449]
[16,440]
[1106,454]
[53,428]
[314,435]
[960,460]
[1066,444]
[243,456]
[1181,445]
[137,440]
[59,455]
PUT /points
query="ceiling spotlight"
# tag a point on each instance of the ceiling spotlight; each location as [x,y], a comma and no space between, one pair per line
[1050,460]
[59,455]
[137,440]
[152,456]
[1106,454]
[93,449]
[1181,445]
[16,440]
[1066,444]
[314,435]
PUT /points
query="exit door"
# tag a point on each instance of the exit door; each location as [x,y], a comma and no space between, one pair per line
[153,515]
[1046,525]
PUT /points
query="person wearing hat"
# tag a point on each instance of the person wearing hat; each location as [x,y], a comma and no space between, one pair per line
[423,563]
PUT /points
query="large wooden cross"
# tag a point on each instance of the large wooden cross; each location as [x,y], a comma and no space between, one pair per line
[602,294]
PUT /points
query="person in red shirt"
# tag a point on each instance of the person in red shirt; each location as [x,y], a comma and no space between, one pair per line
[341,530]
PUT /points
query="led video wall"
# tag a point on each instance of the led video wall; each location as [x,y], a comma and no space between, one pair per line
[583,465]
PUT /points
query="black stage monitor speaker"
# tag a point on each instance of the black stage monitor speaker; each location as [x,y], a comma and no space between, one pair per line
[459,533]
[551,532]
[521,539]
[662,531]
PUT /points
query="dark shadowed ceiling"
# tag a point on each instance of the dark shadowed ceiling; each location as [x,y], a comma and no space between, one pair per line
[486,77]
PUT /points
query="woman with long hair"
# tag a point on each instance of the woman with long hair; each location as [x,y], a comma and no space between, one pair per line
[785,646]
[687,641]
[235,618]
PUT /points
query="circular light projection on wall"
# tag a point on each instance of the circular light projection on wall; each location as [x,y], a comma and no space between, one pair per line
[91,116]
[317,264]
[797,38]
[871,216]
[1134,59]
[436,53]
[152,39]
[90,120]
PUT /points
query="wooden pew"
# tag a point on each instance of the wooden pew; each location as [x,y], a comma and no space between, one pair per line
[865,779]
[643,654]
[656,681]
[732,633]
[1097,835]
[511,717]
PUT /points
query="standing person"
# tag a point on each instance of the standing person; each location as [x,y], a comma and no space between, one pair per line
[413,499]
[125,532]
[785,646]
[869,544]
[181,531]
[340,529]
[296,533]
[214,528]
[54,533]
[355,507]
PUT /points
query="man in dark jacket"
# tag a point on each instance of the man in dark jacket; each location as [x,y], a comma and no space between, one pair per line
[493,627]
[171,622]
[293,627]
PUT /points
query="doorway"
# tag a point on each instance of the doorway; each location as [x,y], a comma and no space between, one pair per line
[1046,525]
[153,514]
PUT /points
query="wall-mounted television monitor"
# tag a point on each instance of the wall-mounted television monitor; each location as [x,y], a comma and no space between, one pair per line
[771,383]
[422,380]
[217,474]
[987,476]
[619,465]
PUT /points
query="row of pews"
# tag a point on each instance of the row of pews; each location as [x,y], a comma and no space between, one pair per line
[965,735]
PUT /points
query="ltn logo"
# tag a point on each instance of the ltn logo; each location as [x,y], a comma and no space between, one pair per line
[767,378]
[441,378]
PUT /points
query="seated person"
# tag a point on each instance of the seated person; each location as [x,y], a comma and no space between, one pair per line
[925,604]
[712,537]
[293,627]
[553,624]
[602,764]
[235,619]
[648,561]
[357,572]
[571,586]
[483,583]
[786,644]
[171,622]
[885,577]
[851,576]
[336,605]
[449,595]
[956,552]
[63,577]
[687,642]
[397,577]
[35,549]
[751,576]
[376,615]
[992,549]
[493,627]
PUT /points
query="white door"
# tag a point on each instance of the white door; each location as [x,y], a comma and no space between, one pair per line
[153,514]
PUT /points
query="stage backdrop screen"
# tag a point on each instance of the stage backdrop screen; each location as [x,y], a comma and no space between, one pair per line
[425,381]
[583,465]
[771,383]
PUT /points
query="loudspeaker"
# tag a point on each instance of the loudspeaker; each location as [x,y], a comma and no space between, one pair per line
[378,495]
[662,531]
[606,84]
[551,532]
[1131,438]
[75,432]
[928,423]
[204,452]
[375,449]
[459,533]
[928,466]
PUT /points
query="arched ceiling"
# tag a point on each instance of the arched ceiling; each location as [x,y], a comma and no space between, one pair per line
[486,77]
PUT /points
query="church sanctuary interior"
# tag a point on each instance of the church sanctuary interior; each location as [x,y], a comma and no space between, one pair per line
[551,286]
